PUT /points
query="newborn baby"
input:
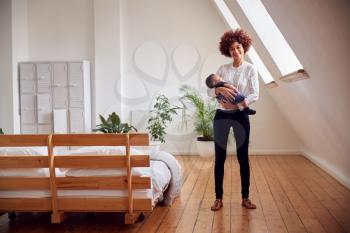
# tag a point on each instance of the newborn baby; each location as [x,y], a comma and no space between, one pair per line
[215,80]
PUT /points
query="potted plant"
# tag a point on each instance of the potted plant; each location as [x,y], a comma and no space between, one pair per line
[1,132]
[160,117]
[113,125]
[202,115]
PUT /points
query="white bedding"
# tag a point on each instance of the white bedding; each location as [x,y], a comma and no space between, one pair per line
[147,193]
[159,172]
[23,151]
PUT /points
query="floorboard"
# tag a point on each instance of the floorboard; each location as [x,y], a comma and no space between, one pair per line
[292,195]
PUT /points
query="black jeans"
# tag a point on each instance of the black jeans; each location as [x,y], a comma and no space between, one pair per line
[239,121]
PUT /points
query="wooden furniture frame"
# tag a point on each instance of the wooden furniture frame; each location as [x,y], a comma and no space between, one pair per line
[58,205]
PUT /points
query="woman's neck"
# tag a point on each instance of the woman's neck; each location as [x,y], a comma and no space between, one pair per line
[237,63]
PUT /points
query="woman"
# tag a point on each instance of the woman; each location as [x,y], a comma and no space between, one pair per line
[244,77]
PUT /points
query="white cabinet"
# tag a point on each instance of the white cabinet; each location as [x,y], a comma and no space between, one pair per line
[60,85]
[48,87]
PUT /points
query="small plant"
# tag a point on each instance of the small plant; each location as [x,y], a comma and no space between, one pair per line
[202,113]
[160,117]
[112,125]
[1,132]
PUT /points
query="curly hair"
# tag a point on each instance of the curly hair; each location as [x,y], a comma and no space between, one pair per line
[230,37]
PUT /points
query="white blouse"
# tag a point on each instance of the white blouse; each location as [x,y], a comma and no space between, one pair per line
[244,78]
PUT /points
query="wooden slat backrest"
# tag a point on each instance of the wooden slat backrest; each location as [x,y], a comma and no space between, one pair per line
[127,161]
[116,182]
[136,139]
[89,140]
[139,139]
[24,183]
[40,161]
[23,140]
[24,161]
[99,161]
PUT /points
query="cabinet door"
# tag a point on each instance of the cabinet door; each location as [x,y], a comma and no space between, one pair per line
[76,67]
[76,85]
[28,109]
[43,77]
[76,121]
[44,108]
[60,90]
[44,129]
[76,91]
[27,71]
[27,78]
[60,121]
[28,129]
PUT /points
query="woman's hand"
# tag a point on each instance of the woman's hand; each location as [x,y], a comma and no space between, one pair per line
[228,105]
[228,93]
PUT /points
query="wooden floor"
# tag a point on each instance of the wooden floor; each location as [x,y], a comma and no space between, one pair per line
[291,193]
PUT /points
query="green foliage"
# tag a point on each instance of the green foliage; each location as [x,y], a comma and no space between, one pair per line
[202,113]
[161,115]
[113,125]
[1,132]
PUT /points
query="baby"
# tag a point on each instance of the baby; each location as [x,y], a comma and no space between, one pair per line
[215,80]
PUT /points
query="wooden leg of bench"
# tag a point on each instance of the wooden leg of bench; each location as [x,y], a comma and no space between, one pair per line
[131,218]
[57,217]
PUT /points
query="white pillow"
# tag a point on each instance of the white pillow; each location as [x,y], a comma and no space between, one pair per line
[24,172]
[103,150]
[85,172]
[30,151]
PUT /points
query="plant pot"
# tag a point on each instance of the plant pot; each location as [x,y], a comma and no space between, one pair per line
[205,148]
[154,145]
[151,148]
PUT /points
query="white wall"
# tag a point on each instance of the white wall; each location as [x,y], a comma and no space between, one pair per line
[318,108]
[107,56]
[14,48]
[6,98]
[319,36]
[76,30]
[154,47]
[60,30]
[152,33]
[19,51]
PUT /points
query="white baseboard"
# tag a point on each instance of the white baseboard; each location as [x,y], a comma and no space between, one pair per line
[251,152]
[328,168]
[274,152]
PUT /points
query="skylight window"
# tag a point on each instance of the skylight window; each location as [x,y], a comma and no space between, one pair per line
[270,36]
[252,54]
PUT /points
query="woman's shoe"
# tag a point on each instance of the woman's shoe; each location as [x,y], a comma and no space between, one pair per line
[248,204]
[217,205]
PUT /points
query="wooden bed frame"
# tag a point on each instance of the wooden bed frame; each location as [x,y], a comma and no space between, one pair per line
[59,205]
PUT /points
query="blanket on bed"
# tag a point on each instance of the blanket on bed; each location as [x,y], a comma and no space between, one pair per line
[175,184]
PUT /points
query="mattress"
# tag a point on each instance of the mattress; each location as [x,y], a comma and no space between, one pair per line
[145,193]
[158,171]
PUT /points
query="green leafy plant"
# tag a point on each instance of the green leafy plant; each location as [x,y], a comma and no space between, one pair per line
[161,115]
[1,132]
[113,125]
[201,112]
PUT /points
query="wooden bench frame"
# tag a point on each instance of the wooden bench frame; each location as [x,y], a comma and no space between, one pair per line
[58,205]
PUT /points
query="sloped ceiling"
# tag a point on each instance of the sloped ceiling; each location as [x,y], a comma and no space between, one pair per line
[318,108]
